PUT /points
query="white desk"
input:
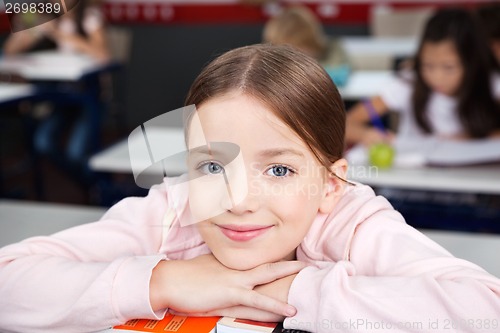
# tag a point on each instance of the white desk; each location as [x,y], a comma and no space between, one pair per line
[50,65]
[23,219]
[481,249]
[72,69]
[15,91]
[476,179]
[364,84]
[377,53]
[386,46]
[411,170]
[116,158]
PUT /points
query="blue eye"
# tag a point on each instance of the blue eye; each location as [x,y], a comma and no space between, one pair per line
[279,171]
[211,168]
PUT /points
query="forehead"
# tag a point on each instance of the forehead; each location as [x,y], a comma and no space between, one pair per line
[242,120]
[439,51]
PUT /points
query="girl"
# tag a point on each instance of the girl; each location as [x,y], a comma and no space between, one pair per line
[79,31]
[268,231]
[450,93]
[299,27]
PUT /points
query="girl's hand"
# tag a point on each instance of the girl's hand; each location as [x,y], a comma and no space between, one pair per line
[373,136]
[277,290]
[204,286]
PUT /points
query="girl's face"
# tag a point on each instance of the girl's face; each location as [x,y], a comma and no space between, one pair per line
[441,69]
[255,203]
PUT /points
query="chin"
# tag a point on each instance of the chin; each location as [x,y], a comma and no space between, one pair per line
[241,262]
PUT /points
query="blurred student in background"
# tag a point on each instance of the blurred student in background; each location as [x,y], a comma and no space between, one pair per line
[298,27]
[452,91]
[81,30]
[489,15]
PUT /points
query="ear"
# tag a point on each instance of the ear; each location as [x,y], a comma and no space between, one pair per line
[334,186]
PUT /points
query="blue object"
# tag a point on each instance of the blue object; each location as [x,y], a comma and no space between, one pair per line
[374,116]
[339,74]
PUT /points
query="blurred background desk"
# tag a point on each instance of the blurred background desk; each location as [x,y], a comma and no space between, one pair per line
[363,84]
[23,219]
[386,46]
[14,92]
[77,73]
[474,179]
[116,159]
[368,52]
[68,107]
[50,66]
[459,198]
[477,248]
[114,164]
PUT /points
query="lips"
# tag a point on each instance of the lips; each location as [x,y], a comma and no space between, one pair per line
[243,233]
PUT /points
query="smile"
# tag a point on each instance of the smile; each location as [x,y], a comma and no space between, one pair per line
[243,233]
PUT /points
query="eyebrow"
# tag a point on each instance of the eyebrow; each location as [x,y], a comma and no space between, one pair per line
[269,153]
[219,148]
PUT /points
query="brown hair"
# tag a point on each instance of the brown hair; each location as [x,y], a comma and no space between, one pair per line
[297,26]
[291,84]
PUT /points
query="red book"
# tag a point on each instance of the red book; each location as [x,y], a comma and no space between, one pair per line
[171,323]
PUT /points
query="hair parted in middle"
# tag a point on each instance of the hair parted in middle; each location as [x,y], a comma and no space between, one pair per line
[291,84]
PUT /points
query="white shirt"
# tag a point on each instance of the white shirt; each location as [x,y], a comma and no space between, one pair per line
[441,109]
[93,19]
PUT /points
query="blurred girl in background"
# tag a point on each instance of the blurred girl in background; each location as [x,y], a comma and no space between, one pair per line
[81,30]
[451,92]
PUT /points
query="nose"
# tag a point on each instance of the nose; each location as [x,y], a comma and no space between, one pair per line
[248,204]
[242,190]
[438,78]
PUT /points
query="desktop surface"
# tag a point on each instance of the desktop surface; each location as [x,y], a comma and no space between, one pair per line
[23,219]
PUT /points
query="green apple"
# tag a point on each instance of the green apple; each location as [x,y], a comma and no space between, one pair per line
[381,155]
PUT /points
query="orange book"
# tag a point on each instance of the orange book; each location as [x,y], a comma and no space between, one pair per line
[171,323]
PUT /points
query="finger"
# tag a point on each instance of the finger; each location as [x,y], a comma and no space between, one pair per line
[273,271]
[253,299]
[238,311]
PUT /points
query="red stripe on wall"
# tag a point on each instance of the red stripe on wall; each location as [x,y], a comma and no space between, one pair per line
[165,12]
[227,13]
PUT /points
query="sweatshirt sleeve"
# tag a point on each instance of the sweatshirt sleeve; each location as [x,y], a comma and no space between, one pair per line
[395,279]
[86,278]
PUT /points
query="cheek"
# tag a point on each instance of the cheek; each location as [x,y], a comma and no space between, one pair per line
[297,202]
[308,189]
[207,198]
[427,78]
[454,83]
[458,80]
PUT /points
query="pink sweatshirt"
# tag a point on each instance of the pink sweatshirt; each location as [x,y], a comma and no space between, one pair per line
[372,272]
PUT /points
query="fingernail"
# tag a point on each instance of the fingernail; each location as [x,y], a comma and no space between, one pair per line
[290,311]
